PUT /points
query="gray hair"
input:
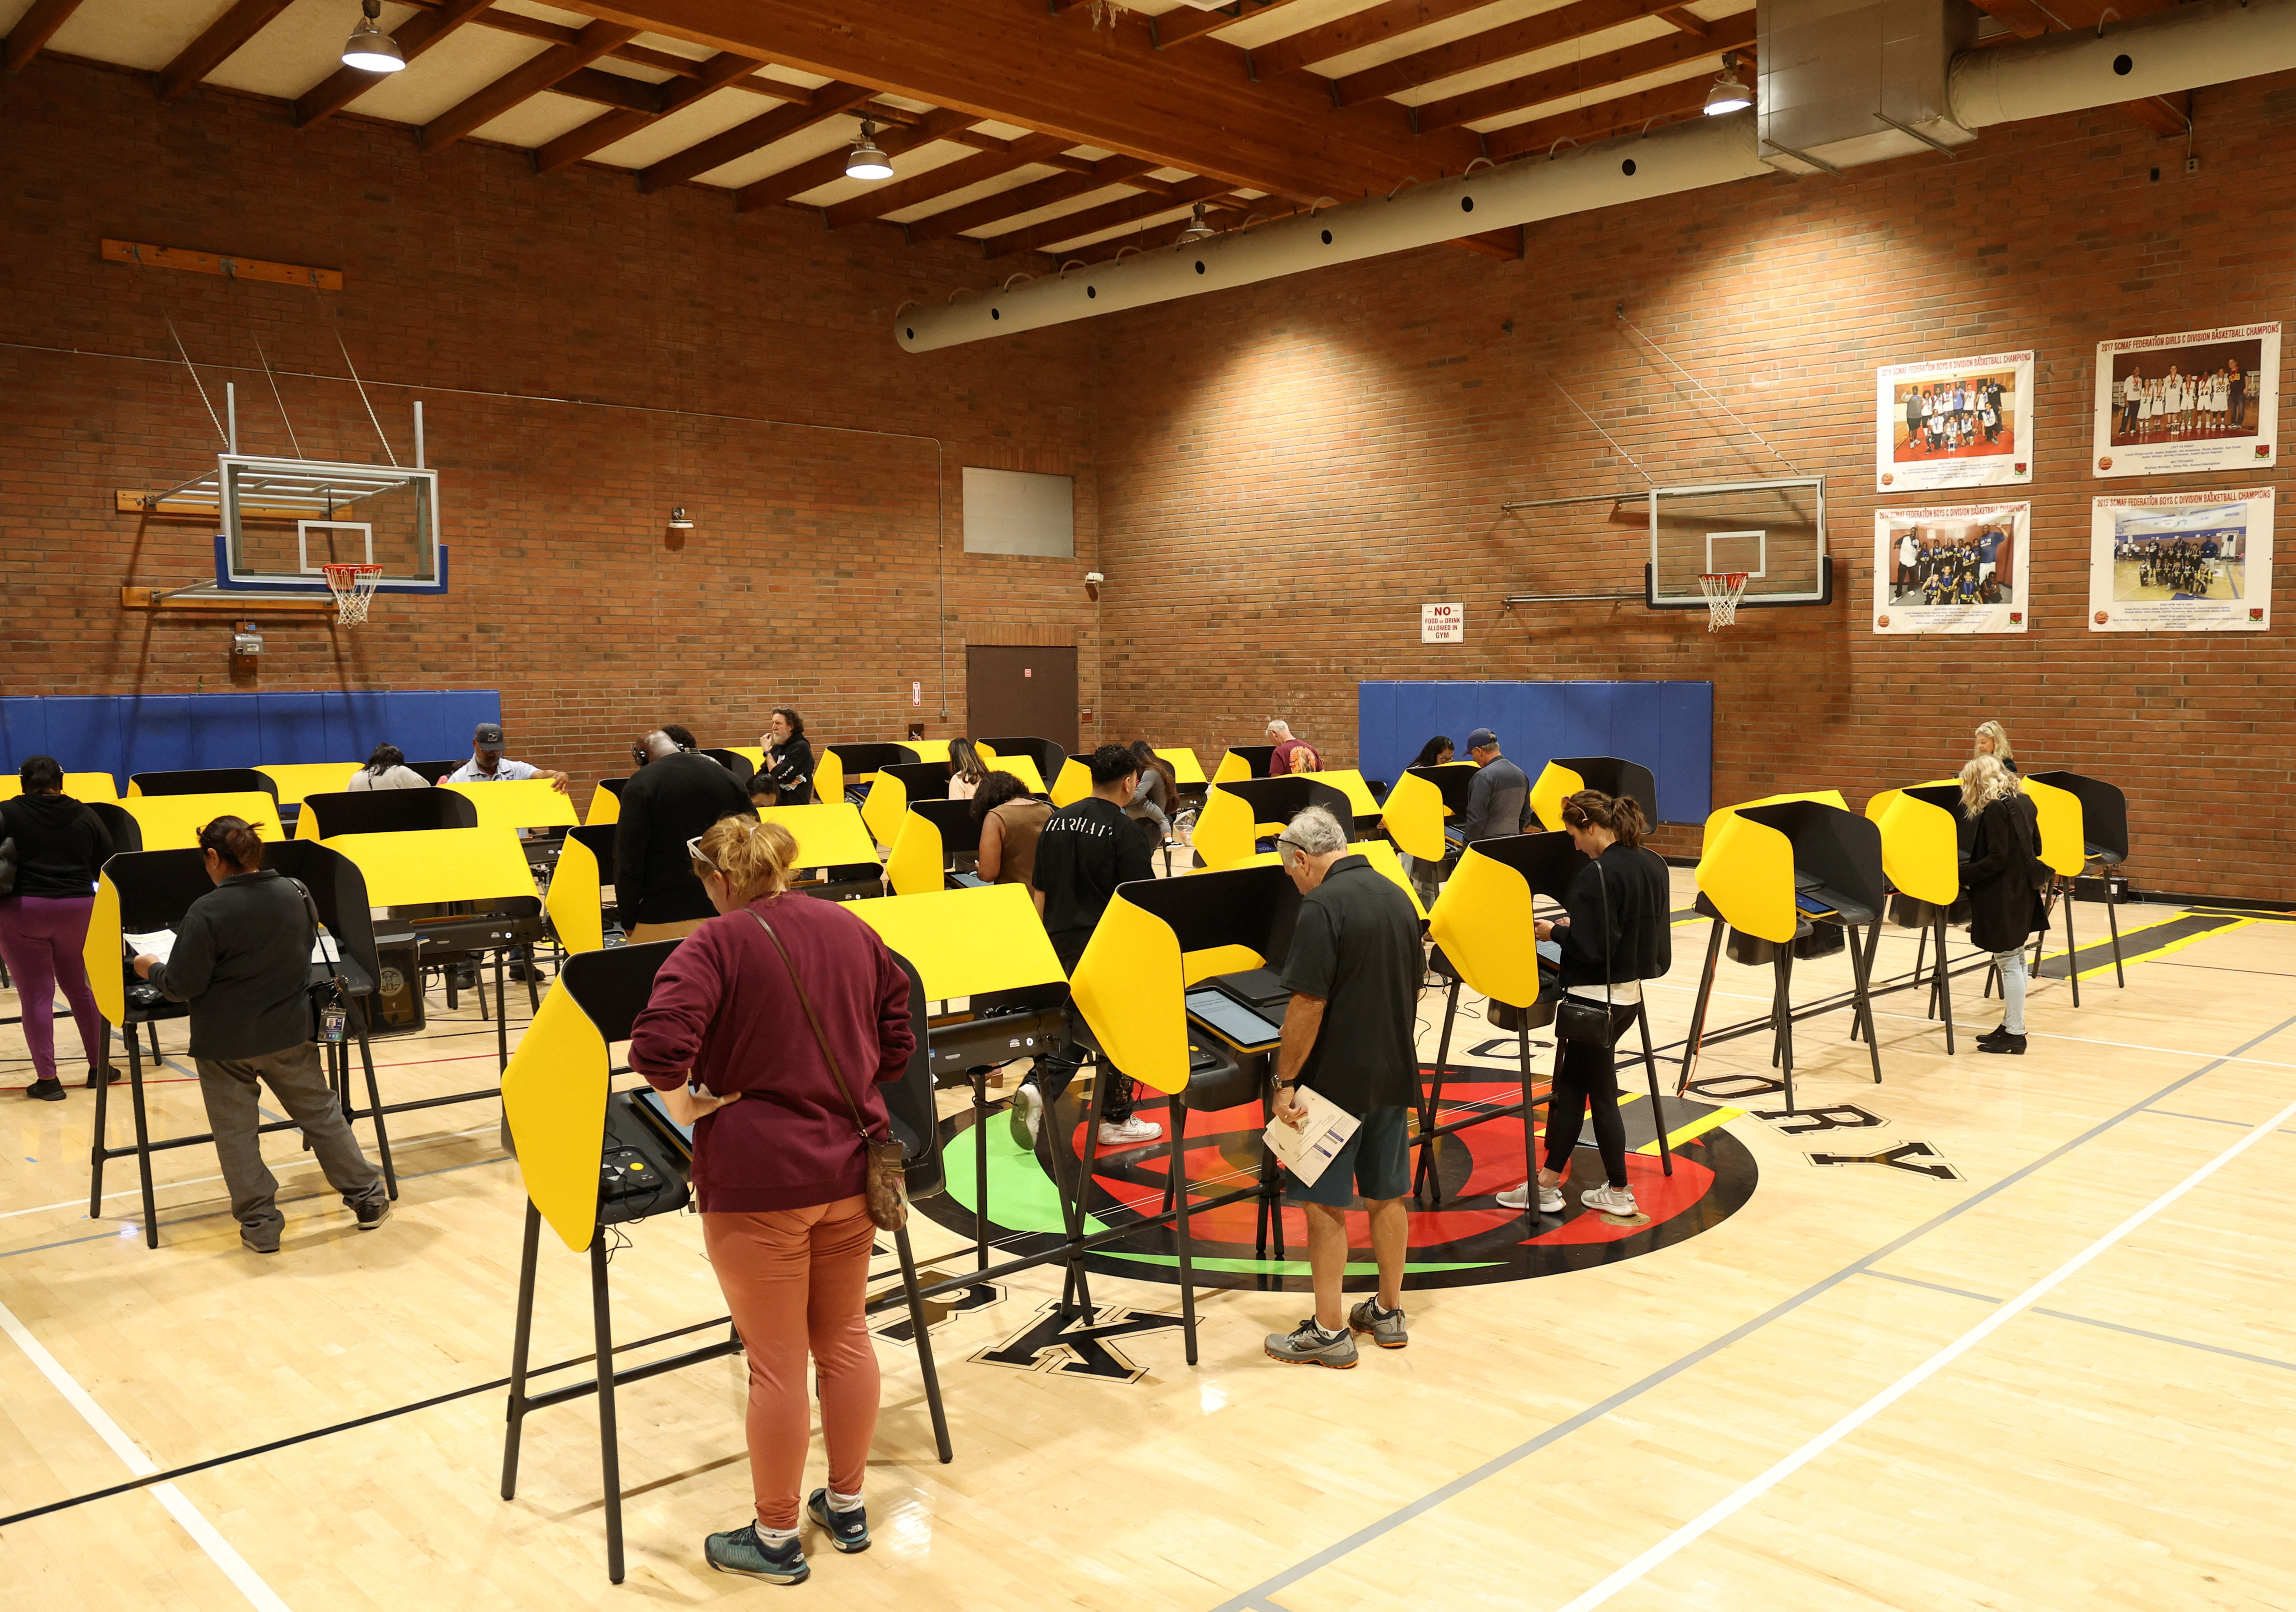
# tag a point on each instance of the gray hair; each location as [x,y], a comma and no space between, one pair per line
[1277,728]
[1315,832]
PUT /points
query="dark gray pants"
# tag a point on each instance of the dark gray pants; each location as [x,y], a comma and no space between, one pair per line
[297,1078]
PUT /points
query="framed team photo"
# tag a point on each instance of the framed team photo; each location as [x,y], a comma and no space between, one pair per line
[2181,563]
[1954,423]
[1958,569]
[2198,400]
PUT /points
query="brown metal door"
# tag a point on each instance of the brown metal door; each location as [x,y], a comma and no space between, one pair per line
[1031,691]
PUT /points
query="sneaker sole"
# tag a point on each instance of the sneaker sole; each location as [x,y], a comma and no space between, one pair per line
[1309,1360]
[830,1529]
[369,1225]
[1400,1343]
[770,1578]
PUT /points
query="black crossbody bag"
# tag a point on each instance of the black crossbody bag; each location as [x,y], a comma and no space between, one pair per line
[1576,1019]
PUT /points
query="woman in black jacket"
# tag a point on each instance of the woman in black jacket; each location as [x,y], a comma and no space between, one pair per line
[2004,879]
[1614,936]
[59,847]
[242,957]
[788,772]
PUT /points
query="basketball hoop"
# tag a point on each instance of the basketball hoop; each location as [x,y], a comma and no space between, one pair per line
[353,585]
[1723,590]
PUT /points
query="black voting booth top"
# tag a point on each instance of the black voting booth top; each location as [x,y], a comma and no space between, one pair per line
[1281,799]
[612,986]
[1255,907]
[390,811]
[1837,857]
[206,781]
[2104,814]
[1455,779]
[923,780]
[859,759]
[1048,756]
[960,830]
[734,762]
[1626,779]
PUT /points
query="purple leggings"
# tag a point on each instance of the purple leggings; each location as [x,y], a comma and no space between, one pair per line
[41,939]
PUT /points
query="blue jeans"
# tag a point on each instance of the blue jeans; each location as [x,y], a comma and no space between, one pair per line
[2011,964]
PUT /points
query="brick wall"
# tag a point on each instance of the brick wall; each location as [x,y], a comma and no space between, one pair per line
[587,358]
[1287,471]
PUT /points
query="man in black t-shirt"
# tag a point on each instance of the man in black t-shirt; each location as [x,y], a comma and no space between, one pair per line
[677,795]
[1083,853]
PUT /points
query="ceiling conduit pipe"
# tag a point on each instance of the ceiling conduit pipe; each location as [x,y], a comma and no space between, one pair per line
[2215,42]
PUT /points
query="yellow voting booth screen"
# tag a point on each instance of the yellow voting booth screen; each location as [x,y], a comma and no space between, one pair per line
[425,865]
[573,898]
[307,778]
[887,804]
[1482,922]
[827,835]
[554,1097]
[967,942]
[1414,815]
[1131,988]
[80,786]
[172,823]
[1073,784]
[522,803]
[1920,847]
[1748,873]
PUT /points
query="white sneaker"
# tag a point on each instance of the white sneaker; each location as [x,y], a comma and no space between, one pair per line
[1028,1104]
[1550,1198]
[1132,1131]
[1609,1200]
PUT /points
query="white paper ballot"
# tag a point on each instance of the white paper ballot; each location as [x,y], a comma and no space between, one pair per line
[161,944]
[1309,1151]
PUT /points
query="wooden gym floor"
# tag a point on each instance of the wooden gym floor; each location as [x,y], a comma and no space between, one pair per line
[1845,1395]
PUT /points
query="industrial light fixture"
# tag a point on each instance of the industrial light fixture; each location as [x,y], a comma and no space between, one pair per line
[1197,230]
[865,161]
[679,520]
[369,49]
[1728,94]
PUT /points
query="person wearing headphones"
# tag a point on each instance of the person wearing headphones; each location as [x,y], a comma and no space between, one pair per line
[242,959]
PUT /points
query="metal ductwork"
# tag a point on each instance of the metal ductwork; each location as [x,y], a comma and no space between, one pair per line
[1906,52]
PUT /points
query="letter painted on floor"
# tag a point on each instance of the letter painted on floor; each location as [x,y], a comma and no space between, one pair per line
[1803,1122]
[1906,1155]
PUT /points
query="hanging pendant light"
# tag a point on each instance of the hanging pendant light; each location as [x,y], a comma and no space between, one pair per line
[1729,93]
[865,161]
[1197,230]
[369,49]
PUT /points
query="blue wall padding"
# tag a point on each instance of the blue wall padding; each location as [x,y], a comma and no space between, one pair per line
[128,734]
[1669,727]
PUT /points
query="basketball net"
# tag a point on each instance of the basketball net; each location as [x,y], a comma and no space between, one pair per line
[353,585]
[1723,590]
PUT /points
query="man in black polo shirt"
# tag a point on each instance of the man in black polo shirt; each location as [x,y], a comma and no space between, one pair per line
[1350,1034]
[675,795]
[1084,852]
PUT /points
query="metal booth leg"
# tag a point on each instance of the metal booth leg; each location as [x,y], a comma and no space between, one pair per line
[1941,984]
[533,986]
[374,1097]
[609,1449]
[1431,1101]
[1698,1009]
[1650,1068]
[522,1338]
[1922,963]
[96,1148]
[1175,1184]
[502,1026]
[924,1346]
[2072,949]
[980,1166]
[1529,1131]
[1861,969]
[142,1144]
[1784,1011]
[2112,922]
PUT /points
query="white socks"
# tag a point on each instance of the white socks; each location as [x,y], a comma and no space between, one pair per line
[773,1539]
[843,1502]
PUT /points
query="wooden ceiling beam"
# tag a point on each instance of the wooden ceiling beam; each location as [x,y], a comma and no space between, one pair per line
[1505,245]
[829,166]
[942,180]
[1177,27]
[1195,110]
[216,43]
[522,83]
[576,144]
[416,35]
[1689,21]
[1025,199]
[1599,122]
[34,30]
[1377,26]
[1732,33]
[2021,18]
[1577,20]
[1092,220]
[828,101]
[639,55]
[2165,116]
[602,88]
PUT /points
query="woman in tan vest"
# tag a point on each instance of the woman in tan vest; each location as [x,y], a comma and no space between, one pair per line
[1010,819]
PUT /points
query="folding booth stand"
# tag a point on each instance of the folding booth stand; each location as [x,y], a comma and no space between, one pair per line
[565,1122]
[1482,926]
[1773,872]
[140,892]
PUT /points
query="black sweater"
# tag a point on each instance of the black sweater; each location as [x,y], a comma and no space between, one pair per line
[59,844]
[791,768]
[669,801]
[242,960]
[1640,940]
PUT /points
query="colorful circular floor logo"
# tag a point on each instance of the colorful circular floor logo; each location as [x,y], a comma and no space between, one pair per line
[1464,1240]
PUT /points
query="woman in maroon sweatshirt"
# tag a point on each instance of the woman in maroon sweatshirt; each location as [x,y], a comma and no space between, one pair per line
[779,1168]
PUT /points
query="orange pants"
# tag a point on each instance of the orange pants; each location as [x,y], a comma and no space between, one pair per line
[795,1280]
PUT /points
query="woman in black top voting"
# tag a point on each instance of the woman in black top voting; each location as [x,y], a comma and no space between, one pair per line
[242,959]
[2005,879]
[1614,936]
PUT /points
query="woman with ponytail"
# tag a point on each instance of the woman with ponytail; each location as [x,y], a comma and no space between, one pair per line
[769,1027]
[1614,936]
[242,959]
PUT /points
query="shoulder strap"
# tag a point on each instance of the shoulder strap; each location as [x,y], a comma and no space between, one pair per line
[1609,940]
[820,1036]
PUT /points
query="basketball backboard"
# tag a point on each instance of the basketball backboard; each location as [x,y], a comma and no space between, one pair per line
[279,520]
[1772,531]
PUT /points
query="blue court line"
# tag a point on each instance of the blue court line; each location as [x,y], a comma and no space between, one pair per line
[2091,1320]
[1251,1600]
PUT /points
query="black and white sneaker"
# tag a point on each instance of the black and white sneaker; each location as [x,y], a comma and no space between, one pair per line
[1028,1106]
[372,1212]
[849,1531]
[1309,1345]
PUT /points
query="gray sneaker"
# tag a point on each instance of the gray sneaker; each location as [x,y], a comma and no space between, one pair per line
[1027,1105]
[1385,1326]
[261,1236]
[1309,1345]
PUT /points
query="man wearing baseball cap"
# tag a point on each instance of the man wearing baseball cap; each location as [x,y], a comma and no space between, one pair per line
[488,764]
[1499,802]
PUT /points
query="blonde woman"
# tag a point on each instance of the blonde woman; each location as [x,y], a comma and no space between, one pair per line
[2004,881]
[737,1036]
[1993,739]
